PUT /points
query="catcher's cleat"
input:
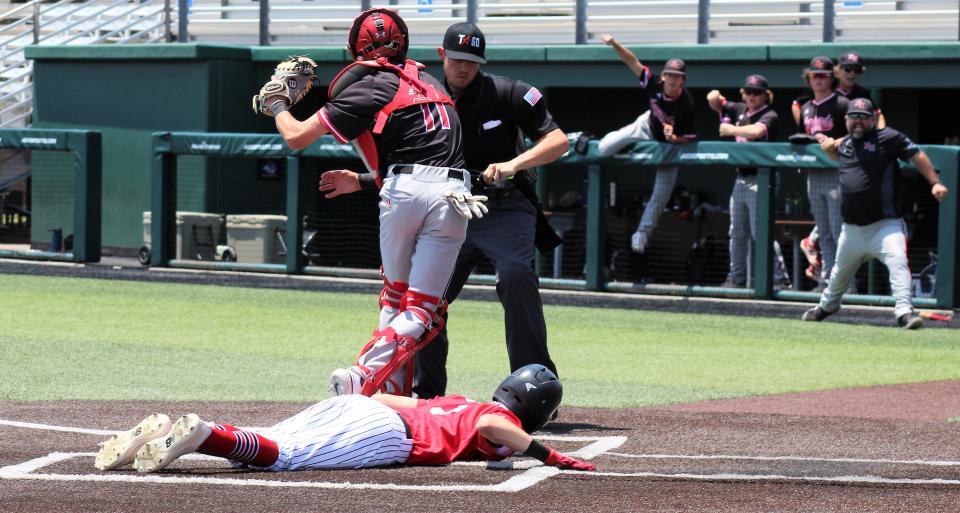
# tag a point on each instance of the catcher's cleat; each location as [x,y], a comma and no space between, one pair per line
[121,448]
[345,382]
[187,435]
[816,314]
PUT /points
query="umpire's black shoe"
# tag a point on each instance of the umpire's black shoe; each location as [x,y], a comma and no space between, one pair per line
[816,314]
[910,321]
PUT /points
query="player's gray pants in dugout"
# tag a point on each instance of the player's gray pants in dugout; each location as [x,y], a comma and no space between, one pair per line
[884,240]
[350,431]
[823,189]
[666,178]
[743,231]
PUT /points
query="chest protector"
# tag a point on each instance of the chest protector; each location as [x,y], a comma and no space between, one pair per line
[412,91]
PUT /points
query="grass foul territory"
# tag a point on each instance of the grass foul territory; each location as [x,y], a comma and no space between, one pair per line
[72,338]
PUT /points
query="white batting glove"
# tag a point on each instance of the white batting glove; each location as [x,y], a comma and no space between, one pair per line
[466,204]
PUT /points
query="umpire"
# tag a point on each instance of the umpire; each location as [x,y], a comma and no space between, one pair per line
[495,113]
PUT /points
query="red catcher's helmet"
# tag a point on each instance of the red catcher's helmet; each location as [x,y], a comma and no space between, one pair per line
[378,33]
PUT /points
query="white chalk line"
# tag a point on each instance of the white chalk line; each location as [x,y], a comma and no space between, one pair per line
[776,477]
[534,471]
[48,427]
[932,463]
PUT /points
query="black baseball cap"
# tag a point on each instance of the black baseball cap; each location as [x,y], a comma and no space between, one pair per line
[861,106]
[820,64]
[755,82]
[675,66]
[465,41]
[851,59]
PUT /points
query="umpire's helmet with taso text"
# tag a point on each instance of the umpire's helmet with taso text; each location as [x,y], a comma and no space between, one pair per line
[532,393]
[378,33]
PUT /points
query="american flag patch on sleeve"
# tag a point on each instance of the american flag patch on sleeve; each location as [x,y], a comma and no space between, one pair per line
[532,96]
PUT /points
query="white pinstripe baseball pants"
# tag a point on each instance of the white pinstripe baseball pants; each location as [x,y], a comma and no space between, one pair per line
[743,231]
[349,431]
[885,240]
[823,189]
[666,177]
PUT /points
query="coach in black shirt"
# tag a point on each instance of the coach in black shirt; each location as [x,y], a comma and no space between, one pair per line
[496,113]
[871,189]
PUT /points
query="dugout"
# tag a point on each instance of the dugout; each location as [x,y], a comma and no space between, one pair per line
[207,88]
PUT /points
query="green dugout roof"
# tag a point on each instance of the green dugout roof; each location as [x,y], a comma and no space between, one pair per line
[871,52]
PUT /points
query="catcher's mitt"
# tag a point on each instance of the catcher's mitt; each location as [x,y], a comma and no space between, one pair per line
[291,81]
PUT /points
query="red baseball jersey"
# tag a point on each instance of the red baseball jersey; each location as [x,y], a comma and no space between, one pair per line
[444,429]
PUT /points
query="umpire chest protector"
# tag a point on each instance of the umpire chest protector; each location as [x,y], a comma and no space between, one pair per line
[411,91]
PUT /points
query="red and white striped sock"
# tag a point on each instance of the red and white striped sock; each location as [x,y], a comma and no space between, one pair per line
[233,443]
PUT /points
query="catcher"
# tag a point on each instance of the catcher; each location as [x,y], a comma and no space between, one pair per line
[407,133]
[356,431]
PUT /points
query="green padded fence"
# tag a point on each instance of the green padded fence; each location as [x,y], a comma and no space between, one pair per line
[763,155]
[85,149]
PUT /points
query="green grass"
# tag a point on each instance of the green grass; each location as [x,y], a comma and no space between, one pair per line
[71,338]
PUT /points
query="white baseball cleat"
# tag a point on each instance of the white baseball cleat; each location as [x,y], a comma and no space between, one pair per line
[187,435]
[121,448]
[344,382]
[638,242]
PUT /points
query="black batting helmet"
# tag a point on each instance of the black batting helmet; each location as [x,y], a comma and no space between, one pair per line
[532,393]
[377,33]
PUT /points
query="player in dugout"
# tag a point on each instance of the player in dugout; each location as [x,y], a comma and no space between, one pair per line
[356,431]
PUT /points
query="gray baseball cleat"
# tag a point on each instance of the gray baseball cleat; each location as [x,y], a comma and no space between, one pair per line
[345,382]
[121,448]
[910,321]
[187,435]
[816,314]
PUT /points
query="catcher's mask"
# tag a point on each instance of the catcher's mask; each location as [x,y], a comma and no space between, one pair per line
[532,393]
[377,33]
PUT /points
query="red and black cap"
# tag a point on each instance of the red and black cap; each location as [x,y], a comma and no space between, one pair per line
[851,59]
[675,66]
[820,64]
[861,106]
[756,83]
[464,41]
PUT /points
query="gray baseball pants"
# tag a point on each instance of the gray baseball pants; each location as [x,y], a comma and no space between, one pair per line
[885,240]
[666,178]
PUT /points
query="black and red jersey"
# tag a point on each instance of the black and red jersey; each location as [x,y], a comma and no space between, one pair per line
[736,113]
[825,116]
[858,91]
[427,134]
[678,111]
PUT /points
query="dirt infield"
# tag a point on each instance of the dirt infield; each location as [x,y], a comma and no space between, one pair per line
[875,449]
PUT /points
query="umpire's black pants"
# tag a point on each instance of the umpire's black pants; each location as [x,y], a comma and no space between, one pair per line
[506,236]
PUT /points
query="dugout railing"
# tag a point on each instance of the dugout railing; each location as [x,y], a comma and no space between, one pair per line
[83,149]
[168,145]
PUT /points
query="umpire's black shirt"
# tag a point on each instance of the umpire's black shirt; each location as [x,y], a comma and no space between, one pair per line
[870,180]
[495,113]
